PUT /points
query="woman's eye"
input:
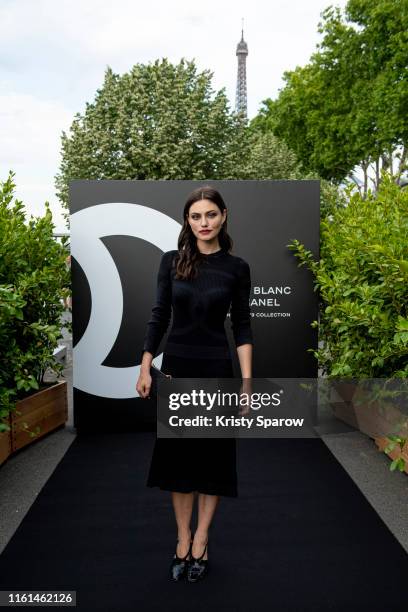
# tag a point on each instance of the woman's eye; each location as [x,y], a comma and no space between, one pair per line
[197,218]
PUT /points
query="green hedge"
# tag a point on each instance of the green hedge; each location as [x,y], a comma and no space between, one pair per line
[34,277]
[362,278]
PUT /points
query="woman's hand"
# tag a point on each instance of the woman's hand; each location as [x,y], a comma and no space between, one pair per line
[246,388]
[144,384]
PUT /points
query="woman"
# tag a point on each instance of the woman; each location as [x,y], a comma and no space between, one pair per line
[200,282]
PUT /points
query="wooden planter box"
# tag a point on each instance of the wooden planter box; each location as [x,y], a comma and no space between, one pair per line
[39,413]
[343,410]
[378,420]
[373,418]
[396,453]
[5,445]
[346,390]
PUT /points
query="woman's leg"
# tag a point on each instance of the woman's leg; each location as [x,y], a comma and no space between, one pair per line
[206,508]
[183,508]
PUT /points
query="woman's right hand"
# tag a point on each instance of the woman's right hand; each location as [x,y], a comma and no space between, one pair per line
[144,384]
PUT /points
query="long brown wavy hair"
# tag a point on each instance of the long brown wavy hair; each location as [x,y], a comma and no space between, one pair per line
[189,257]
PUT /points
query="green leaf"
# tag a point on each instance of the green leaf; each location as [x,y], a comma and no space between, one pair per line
[394,465]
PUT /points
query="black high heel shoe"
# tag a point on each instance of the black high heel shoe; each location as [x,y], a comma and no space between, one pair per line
[197,568]
[179,565]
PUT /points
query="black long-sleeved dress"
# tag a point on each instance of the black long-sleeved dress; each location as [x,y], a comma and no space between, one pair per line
[197,346]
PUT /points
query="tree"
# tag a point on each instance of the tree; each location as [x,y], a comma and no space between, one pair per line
[162,121]
[346,109]
[158,121]
[267,157]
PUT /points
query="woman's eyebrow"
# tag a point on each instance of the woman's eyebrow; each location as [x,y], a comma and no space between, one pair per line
[207,211]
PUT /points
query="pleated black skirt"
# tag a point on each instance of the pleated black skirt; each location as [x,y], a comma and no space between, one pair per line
[206,465]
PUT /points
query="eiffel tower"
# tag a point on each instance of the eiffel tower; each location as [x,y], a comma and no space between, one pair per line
[241,95]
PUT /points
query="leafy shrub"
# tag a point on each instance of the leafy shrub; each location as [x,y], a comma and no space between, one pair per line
[33,280]
[362,277]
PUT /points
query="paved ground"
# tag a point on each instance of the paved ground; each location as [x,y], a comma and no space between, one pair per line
[24,474]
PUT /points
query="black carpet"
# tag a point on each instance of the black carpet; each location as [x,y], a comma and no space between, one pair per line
[300,536]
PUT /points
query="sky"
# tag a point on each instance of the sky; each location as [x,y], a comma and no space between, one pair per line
[53,56]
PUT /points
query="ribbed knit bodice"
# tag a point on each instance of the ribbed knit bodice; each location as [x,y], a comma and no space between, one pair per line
[200,307]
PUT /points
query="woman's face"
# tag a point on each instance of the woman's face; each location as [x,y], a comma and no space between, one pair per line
[206,219]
